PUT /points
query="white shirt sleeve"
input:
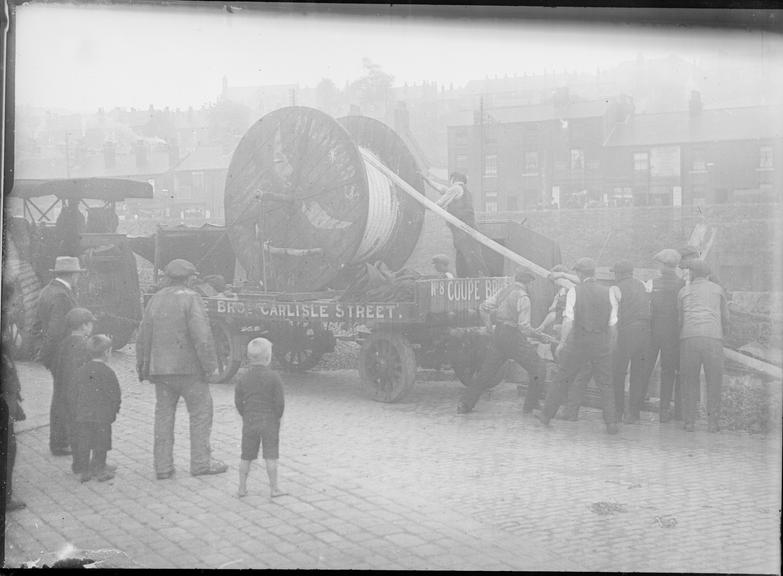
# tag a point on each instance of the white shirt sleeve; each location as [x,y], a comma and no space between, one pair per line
[569,306]
[614,297]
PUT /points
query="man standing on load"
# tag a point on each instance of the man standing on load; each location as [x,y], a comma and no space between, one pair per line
[456,198]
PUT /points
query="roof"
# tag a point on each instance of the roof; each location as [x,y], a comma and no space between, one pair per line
[205,158]
[749,123]
[92,188]
[538,112]
[92,166]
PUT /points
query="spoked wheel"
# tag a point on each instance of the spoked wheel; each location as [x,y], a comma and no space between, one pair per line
[387,366]
[300,348]
[227,366]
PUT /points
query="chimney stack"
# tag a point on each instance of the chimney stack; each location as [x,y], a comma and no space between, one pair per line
[109,155]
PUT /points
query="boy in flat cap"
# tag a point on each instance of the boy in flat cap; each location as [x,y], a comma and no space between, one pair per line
[98,401]
[704,321]
[71,356]
[633,341]
[441,264]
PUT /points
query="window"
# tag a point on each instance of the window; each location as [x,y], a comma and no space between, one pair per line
[577,159]
[491,165]
[766,159]
[511,203]
[491,206]
[531,161]
[699,162]
[641,162]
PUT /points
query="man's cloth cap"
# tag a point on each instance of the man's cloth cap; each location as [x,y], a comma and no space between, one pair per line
[524,274]
[78,316]
[668,257]
[585,265]
[698,267]
[179,268]
[623,267]
[688,251]
[66,264]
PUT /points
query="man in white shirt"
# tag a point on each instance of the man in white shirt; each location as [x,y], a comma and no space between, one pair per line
[587,338]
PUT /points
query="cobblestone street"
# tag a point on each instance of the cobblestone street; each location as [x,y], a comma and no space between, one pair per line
[408,486]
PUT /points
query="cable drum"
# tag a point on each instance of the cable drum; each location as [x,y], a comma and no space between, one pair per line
[304,210]
[382,215]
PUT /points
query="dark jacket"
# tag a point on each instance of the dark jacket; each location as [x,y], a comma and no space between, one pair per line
[462,207]
[71,356]
[98,393]
[592,308]
[54,302]
[259,394]
[634,308]
[663,301]
[175,337]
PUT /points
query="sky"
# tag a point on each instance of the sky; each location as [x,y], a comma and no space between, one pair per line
[81,57]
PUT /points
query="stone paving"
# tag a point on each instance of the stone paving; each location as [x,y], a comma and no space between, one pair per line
[409,486]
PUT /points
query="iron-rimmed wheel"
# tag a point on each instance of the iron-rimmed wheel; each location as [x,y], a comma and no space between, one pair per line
[227,366]
[387,366]
[299,349]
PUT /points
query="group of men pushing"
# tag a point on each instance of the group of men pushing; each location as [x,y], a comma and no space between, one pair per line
[607,329]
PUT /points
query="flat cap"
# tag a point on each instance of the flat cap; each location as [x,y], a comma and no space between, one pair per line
[697,267]
[524,273]
[440,258]
[585,265]
[179,268]
[623,267]
[688,251]
[668,257]
[78,316]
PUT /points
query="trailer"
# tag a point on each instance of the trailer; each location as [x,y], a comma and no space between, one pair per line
[396,337]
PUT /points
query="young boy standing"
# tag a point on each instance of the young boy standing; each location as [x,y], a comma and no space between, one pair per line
[259,400]
[71,356]
[97,404]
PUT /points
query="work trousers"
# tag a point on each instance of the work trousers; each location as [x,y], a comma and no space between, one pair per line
[665,341]
[508,343]
[198,400]
[633,347]
[91,438]
[60,418]
[10,450]
[469,260]
[575,393]
[584,350]
[696,352]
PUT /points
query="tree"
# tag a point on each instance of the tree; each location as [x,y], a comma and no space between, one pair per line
[374,85]
[327,96]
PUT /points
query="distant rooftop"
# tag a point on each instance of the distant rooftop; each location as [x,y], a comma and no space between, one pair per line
[749,123]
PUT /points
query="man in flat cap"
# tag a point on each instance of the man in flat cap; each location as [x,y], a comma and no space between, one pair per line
[633,341]
[688,254]
[457,199]
[665,332]
[441,264]
[704,321]
[175,351]
[50,329]
[587,338]
[510,307]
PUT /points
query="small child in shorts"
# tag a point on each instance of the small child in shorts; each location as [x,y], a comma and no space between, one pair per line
[259,400]
[98,400]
